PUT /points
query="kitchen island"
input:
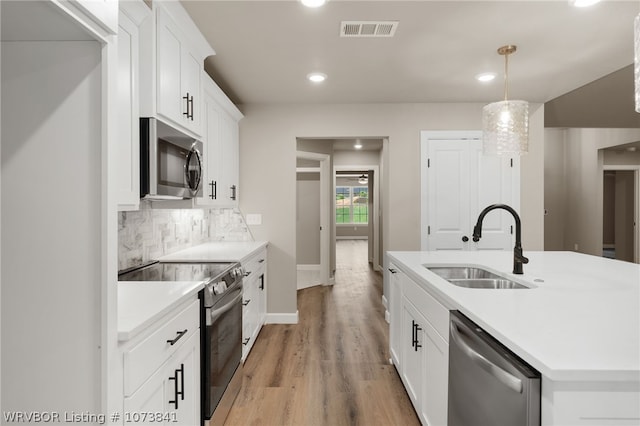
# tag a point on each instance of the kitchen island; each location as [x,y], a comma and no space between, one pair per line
[578,324]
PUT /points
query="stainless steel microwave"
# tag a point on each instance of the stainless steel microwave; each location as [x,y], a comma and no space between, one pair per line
[170,162]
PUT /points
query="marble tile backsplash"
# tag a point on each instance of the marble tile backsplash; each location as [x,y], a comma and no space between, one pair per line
[148,233]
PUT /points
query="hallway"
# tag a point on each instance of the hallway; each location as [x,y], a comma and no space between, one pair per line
[332,368]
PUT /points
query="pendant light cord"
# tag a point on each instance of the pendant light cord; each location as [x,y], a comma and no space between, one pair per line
[506,76]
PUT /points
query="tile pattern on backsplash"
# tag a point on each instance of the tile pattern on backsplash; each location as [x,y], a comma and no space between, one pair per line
[148,233]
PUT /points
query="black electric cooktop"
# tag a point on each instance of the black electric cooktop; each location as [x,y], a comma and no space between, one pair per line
[176,272]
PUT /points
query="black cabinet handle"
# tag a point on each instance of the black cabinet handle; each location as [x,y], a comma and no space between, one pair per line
[261,261]
[261,286]
[214,189]
[393,271]
[178,337]
[246,341]
[416,328]
[175,389]
[233,192]
[246,274]
[181,392]
[465,238]
[186,98]
[246,302]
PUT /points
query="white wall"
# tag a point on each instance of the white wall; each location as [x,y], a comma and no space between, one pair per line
[583,192]
[268,172]
[554,189]
[51,226]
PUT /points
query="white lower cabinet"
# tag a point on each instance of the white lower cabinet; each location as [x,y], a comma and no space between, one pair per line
[254,299]
[395,312]
[170,393]
[419,346]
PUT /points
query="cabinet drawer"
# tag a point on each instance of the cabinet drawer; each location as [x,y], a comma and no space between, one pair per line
[428,306]
[144,358]
[255,265]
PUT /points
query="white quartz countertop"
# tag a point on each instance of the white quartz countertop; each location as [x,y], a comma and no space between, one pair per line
[222,251]
[581,321]
[142,303]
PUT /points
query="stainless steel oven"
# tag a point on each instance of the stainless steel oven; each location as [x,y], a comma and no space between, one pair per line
[170,162]
[220,327]
[221,344]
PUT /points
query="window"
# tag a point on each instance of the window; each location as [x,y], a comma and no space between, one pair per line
[352,204]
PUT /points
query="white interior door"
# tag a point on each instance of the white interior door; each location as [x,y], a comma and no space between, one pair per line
[448,195]
[458,182]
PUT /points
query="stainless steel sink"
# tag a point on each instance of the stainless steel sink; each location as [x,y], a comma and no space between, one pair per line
[474,277]
[462,272]
[493,283]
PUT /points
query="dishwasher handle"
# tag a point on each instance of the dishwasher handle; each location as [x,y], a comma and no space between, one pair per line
[508,379]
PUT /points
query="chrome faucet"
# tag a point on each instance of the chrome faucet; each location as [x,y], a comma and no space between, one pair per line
[518,258]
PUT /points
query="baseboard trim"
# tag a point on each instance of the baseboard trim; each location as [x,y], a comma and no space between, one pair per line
[282,318]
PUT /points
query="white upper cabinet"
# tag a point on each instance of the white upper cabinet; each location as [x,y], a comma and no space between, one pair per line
[221,148]
[127,144]
[98,17]
[172,61]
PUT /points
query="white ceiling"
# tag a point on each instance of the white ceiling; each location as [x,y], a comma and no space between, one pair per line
[265,49]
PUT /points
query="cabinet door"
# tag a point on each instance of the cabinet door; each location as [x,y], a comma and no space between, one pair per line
[212,154]
[395,313]
[221,155]
[128,141]
[435,378]
[262,296]
[183,376]
[151,397]
[169,57]
[190,87]
[412,352]
[230,166]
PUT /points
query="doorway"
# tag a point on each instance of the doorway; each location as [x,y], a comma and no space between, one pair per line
[357,205]
[620,215]
[312,220]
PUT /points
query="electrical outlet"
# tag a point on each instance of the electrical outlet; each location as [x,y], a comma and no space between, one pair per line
[254,219]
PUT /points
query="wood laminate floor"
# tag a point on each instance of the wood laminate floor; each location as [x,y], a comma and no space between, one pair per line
[332,368]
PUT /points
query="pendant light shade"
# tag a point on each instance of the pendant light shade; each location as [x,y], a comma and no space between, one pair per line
[505,127]
[505,124]
[636,59]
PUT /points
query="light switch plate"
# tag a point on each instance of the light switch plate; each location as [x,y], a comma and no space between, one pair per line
[254,219]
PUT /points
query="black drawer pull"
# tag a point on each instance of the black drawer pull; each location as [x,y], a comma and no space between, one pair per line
[178,337]
[246,341]
[246,302]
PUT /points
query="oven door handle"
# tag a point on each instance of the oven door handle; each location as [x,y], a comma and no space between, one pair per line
[216,312]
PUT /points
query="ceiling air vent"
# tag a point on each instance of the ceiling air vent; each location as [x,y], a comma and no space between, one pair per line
[368,28]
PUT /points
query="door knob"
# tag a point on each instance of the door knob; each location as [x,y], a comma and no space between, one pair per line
[465,238]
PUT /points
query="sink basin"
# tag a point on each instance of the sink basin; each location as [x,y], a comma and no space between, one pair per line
[493,283]
[462,272]
[474,277]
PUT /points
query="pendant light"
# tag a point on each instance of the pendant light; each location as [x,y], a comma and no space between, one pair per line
[363,180]
[505,124]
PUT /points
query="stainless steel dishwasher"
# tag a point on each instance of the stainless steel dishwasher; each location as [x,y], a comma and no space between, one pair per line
[488,384]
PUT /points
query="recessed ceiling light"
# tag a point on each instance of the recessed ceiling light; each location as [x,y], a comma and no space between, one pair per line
[358,145]
[313,3]
[317,77]
[583,3]
[486,76]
